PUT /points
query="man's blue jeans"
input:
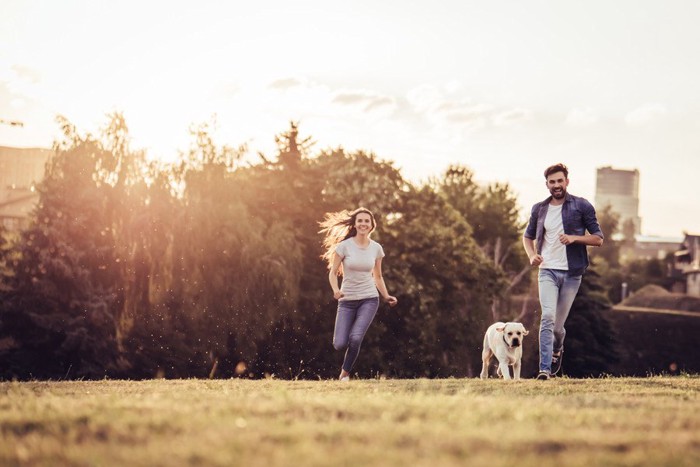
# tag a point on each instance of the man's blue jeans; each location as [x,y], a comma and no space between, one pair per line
[351,324]
[557,294]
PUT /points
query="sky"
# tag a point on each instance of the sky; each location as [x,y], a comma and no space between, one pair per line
[506,88]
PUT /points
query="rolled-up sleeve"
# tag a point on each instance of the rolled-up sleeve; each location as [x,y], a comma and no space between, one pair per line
[531,229]
[590,220]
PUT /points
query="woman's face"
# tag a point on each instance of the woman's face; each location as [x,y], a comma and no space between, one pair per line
[363,223]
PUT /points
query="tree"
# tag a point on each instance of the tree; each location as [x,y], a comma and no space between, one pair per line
[290,148]
[492,211]
[348,180]
[7,258]
[63,292]
[444,286]
[591,347]
[233,274]
[609,222]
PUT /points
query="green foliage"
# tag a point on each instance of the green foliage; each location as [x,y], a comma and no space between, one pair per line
[592,346]
[492,212]
[209,268]
[63,291]
[444,286]
[642,272]
[654,343]
[609,222]
[8,256]
[655,296]
[635,273]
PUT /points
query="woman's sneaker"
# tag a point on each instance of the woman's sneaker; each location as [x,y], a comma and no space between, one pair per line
[543,375]
[556,362]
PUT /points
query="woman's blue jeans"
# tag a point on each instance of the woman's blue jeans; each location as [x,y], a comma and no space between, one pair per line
[557,293]
[351,324]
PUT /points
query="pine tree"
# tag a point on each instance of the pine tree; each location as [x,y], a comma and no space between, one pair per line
[62,298]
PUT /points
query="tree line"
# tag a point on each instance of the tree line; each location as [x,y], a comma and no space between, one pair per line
[210,266]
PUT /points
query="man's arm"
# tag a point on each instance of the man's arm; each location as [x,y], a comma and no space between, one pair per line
[535,259]
[588,239]
[595,233]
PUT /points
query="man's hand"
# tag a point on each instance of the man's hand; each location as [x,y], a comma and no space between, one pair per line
[567,239]
[536,260]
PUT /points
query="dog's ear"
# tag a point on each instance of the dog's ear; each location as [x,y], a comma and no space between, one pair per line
[501,328]
[525,332]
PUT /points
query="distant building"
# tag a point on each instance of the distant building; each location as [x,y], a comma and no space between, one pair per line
[647,247]
[21,170]
[620,190]
[687,263]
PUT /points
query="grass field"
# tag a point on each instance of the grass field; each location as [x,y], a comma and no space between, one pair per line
[572,422]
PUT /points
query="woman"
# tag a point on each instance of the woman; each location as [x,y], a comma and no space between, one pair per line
[351,253]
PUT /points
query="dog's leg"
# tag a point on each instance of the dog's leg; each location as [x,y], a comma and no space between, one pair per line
[516,369]
[485,359]
[505,371]
[486,355]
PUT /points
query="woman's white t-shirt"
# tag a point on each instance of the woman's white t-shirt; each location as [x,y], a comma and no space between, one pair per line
[358,282]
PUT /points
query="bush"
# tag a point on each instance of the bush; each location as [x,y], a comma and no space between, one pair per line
[653,296]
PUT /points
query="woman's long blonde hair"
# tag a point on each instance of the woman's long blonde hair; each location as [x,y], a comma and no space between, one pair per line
[339,226]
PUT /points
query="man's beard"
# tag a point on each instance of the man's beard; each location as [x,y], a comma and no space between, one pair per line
[558,194]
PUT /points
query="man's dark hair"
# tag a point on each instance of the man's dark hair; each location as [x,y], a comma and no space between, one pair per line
[552,169]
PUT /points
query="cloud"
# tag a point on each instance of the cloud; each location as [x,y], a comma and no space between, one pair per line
[21,81]
[284,84]
[581,117]
[368,100]
[472,116]
[226,90]
[349,98]
[378,102]
[645,114]
[511,117]
[18,103]
[439,106]
[426,98]
[27,74]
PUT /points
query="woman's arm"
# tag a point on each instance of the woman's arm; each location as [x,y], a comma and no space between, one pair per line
[333,276]
[381,286]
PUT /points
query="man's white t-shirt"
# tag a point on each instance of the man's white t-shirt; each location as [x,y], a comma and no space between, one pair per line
[358,282]
[553,251]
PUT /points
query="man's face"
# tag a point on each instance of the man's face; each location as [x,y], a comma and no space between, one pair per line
[556,184]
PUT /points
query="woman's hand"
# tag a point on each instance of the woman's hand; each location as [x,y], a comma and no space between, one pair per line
[338,294]
[391,300]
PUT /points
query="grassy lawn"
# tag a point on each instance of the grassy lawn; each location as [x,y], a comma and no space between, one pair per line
[613,421]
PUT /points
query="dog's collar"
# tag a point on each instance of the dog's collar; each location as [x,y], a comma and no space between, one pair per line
[504,340]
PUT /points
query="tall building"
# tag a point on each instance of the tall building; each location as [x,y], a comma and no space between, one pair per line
[620,190]
[21,170]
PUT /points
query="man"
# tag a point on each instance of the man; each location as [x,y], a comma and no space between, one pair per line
[555,240]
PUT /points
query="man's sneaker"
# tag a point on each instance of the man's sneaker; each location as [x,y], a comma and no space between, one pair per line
[543,375]
[345,378]
[556,362]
